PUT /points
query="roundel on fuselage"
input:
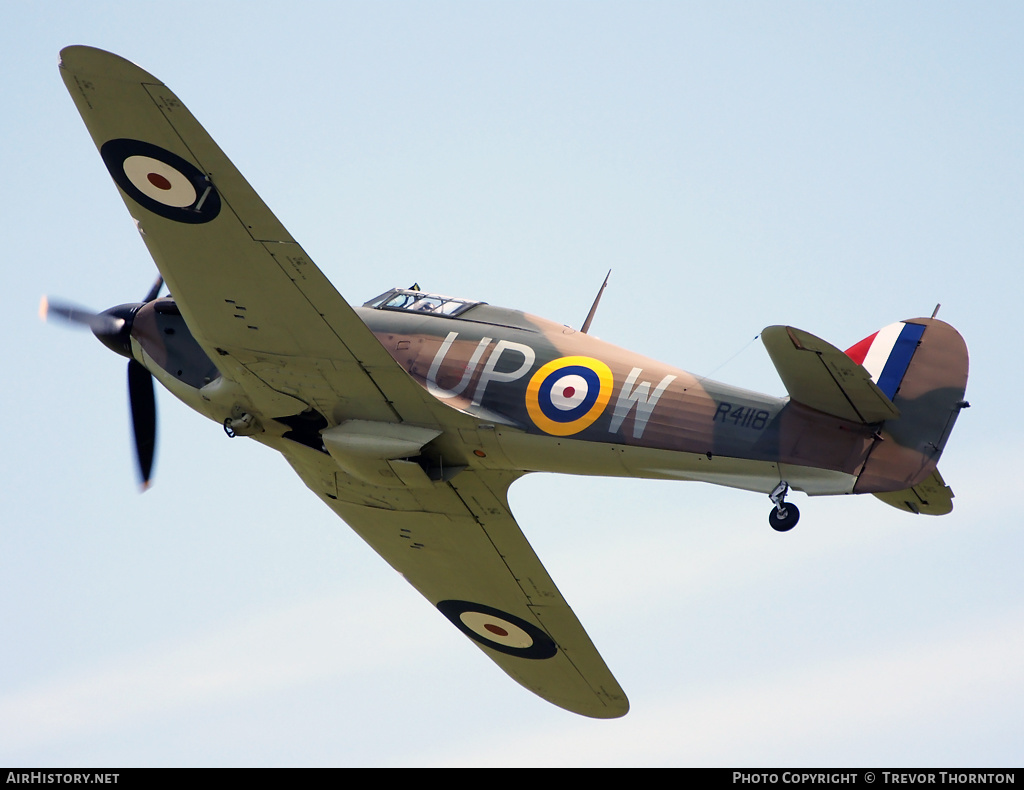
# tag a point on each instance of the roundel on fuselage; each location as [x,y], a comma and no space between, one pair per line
[567,395]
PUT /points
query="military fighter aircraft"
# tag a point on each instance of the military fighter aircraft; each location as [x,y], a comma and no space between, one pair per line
[412,415]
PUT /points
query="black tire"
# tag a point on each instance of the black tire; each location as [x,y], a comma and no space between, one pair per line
[786,522]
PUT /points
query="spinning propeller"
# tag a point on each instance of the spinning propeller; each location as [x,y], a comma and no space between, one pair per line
[113,328]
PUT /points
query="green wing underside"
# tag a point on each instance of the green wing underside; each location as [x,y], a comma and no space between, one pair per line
[250,295]
[458,541]
[275,326]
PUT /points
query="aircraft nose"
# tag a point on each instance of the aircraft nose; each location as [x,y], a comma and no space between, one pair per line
[115,330]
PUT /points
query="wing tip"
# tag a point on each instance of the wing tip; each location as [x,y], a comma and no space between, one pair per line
[602,705]
[617,711]
[614,709]
[83,59]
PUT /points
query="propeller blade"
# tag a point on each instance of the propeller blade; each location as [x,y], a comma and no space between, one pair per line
[99,323]
[154,292]
[143,407]
[113,328]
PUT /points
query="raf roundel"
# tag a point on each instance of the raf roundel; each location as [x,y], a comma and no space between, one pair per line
[499,630]
[568,394]
[161,181]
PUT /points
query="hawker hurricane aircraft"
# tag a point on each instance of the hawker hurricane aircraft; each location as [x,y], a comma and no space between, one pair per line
[412,415]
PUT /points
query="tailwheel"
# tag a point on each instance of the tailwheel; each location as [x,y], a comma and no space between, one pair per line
[784,517]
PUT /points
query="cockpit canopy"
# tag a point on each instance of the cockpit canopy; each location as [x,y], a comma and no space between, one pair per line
[421,302]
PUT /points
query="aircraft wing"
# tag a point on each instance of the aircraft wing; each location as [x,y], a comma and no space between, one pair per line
[255,302]
[275,326]
[458,544]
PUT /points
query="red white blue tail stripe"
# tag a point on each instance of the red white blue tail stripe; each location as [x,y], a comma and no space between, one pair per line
[886,354]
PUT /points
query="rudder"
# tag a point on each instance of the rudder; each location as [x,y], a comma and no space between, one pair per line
[921,364]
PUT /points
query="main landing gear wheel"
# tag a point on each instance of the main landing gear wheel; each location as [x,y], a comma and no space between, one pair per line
[784,519]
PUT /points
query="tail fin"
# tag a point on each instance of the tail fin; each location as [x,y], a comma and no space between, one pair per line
[921,365]
[908,379]
[887,353]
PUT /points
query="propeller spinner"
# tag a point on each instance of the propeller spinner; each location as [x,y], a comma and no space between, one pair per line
[113,328]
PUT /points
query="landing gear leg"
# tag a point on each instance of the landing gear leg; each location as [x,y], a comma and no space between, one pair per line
[783,516]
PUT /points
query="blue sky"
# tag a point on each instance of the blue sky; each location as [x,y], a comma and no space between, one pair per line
[834,167]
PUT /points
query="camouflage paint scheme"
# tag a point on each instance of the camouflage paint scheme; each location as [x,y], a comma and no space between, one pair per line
[411,424]
[484,360]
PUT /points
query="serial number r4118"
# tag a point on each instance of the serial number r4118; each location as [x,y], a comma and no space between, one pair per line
[742,416]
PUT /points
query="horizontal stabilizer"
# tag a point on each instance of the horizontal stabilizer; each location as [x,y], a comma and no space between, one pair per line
[819,375]
[930,498]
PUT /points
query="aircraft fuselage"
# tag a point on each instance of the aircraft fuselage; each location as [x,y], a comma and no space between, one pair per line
[550,398]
